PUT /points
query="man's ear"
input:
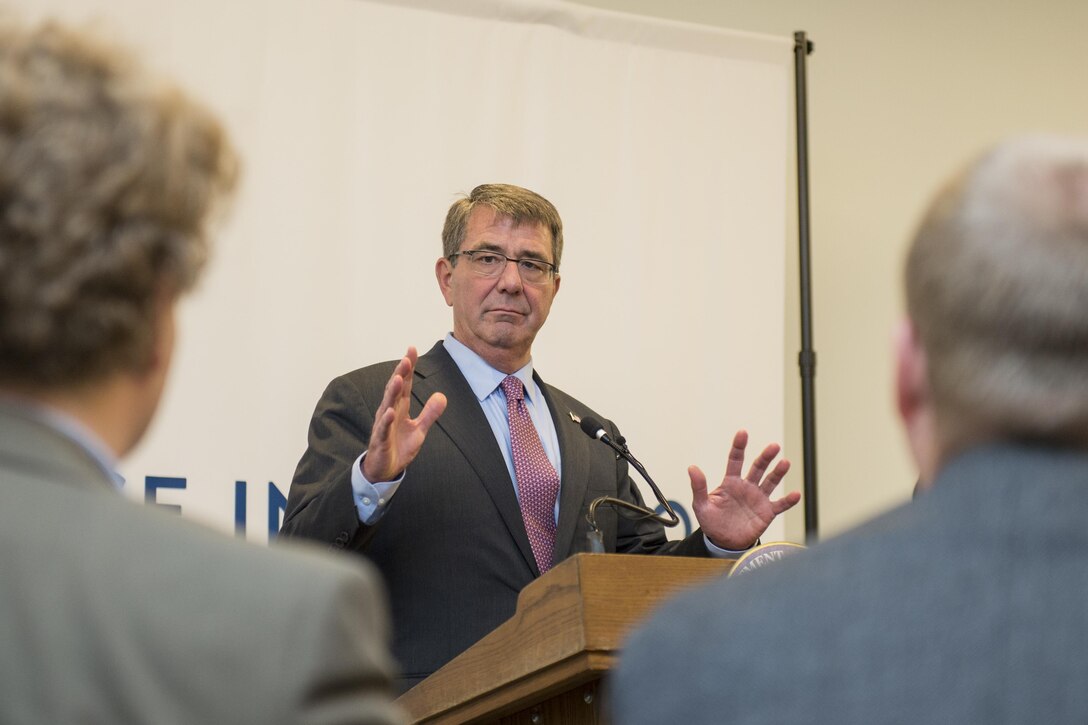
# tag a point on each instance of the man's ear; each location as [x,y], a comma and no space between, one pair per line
[910,371]
[443,272]
[143,387]
[914,400]
[164,333]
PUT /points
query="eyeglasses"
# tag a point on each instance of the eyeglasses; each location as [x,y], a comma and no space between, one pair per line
[488,263]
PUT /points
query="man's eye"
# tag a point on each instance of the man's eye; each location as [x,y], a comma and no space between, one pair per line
[530,265]
[487,260]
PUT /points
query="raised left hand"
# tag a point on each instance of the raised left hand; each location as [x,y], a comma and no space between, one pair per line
[739,510]
[396,437]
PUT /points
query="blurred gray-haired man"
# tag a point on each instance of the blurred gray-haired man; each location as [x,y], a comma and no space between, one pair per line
[968,604]
[109,612]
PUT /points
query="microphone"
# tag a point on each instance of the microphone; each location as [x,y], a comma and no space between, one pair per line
[595,429]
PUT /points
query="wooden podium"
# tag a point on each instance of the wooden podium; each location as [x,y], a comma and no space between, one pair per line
[544,664]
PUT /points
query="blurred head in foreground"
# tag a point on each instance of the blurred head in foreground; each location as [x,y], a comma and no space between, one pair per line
[996,344]
[108,179]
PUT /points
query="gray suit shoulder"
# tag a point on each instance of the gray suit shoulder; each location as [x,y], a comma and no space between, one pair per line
[194,625]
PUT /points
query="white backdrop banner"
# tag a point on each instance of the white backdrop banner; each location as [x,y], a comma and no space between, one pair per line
[663,145]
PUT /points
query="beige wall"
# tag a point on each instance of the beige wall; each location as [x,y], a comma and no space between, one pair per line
[899,94]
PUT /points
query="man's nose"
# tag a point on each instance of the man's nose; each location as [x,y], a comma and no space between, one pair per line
[510,278]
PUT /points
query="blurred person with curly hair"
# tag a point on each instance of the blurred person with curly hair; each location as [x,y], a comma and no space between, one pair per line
[110,612]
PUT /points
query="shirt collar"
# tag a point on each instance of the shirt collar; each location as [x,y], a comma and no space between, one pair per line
[72,429]
[481,377]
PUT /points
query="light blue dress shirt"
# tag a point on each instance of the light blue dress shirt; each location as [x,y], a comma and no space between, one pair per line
[372,499]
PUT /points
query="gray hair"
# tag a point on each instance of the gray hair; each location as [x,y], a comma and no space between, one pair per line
[997,289]
[107,181]
[520,205]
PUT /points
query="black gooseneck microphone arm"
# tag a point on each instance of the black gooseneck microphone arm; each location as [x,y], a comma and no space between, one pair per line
[594,429]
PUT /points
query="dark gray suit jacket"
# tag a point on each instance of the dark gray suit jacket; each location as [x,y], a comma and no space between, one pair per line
[111,612]
[969,605]
[452,545]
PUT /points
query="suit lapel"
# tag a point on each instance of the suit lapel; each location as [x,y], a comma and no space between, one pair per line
[465,424]
[575,474]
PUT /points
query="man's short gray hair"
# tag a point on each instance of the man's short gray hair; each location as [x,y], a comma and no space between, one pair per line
[997,289]
[514,202]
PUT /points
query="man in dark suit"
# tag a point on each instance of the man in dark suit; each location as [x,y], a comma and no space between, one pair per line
[966,605]
[111,612]
[461,517]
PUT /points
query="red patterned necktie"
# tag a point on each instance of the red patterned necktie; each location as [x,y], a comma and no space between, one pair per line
[538,484]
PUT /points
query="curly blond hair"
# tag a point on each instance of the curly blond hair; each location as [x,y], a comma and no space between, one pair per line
[107,183]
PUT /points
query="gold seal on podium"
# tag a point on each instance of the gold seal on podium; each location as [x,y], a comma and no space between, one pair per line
[760,556]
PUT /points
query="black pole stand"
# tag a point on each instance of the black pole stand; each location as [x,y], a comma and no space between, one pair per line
[806,359]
